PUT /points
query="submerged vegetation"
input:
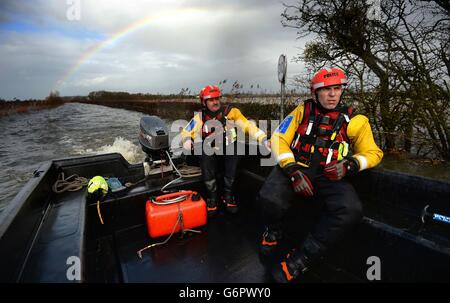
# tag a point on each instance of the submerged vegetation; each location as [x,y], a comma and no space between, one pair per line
[21,106]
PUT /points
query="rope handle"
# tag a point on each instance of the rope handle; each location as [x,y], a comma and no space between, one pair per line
[174,195]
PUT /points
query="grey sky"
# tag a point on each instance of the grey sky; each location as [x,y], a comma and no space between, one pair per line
[185,44]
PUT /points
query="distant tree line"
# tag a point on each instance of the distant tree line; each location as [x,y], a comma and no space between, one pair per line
[184,94]
[20,106]
[122,96]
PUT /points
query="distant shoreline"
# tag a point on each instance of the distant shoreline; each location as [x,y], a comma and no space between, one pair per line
[253,107]
[13,107]
[182,107]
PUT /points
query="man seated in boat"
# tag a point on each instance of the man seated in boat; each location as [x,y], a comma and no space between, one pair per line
[311,146]
[216,125]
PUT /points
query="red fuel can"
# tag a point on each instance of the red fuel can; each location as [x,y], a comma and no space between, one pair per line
[162,214]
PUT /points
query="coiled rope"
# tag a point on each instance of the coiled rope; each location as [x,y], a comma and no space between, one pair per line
[72,183]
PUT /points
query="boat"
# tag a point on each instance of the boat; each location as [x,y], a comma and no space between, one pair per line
[58,237]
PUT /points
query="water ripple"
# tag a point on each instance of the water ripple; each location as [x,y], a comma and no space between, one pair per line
[69,130]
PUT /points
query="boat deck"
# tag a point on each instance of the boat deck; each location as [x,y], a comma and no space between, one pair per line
[42,230]
[226,251]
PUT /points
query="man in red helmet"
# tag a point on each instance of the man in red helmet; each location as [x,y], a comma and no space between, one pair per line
[312,147]
[216,125]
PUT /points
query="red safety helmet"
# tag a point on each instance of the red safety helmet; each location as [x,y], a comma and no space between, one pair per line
[209,92]
[328,77]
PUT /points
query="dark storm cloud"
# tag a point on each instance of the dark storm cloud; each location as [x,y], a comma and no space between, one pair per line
[233,40]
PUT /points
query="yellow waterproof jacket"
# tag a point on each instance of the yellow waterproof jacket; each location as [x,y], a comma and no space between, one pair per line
[365,150]
[193,129]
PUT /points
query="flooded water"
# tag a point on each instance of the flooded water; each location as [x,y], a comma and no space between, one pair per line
[434,169]
[69,130]
[77,129]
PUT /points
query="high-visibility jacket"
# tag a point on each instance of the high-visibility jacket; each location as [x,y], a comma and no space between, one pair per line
[355,131]
[198,126]
[220,116]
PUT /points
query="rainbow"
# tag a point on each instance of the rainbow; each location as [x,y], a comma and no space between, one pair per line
[176,16]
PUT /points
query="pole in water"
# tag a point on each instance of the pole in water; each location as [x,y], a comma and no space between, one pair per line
[426,216]
[282,67]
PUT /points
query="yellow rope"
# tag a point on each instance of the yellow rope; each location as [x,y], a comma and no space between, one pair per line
[98,211]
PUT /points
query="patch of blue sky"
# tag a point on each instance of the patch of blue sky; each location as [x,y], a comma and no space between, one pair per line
[72,31]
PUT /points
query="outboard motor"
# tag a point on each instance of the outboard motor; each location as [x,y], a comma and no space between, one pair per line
[154,140]
[154,137]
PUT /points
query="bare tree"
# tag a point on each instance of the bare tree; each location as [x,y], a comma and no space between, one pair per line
[398,62]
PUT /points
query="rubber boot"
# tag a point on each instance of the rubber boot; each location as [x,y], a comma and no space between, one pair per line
[231,205]
[211,200]
[211,205]
[298,261]
[270,241]
[290,267]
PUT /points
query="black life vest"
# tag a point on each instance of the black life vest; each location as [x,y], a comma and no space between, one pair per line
[322,134]
[221,116]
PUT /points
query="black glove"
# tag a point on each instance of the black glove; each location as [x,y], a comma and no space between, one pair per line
[337,170]
[300,182]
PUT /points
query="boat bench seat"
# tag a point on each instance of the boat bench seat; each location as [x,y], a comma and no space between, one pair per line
[58,247]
